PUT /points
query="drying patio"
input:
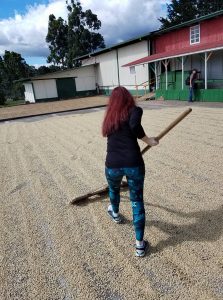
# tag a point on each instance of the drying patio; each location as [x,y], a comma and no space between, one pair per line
[51,250]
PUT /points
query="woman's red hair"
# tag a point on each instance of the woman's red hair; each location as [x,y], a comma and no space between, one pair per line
[119,105]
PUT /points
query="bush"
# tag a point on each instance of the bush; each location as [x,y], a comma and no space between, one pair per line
[17,92]
[2,98]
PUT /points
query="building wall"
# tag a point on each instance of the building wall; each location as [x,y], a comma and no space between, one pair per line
[210,31]
[106,70]
[85,78]
[172,40]
[45,89]
[109,71]
[215,65]
[130,53]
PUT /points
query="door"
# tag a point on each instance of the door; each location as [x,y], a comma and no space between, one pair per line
[66,88]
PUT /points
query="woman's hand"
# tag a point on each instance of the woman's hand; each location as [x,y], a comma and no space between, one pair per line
[150,141]
[153,141]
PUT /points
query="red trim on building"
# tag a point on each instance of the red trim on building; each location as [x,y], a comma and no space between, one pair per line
[178,52]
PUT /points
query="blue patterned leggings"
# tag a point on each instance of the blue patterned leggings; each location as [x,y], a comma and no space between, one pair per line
[135,177]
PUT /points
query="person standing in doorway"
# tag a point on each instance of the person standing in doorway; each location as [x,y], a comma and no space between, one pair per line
[193,77]
[122,127]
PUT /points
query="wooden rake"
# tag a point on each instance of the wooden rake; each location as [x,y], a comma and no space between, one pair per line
[103,190]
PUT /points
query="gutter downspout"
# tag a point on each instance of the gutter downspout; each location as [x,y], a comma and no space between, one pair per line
[149,53]
[182,67]
[117,67]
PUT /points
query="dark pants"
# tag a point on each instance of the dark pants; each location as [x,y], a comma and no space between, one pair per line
[191,94]
[135,177]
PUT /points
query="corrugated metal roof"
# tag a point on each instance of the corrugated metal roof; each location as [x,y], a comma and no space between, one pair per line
[52,74]
[193,49]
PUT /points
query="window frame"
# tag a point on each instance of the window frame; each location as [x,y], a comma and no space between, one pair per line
[132,70]
[194,34]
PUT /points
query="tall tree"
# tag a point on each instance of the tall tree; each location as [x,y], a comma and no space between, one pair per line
[57,39]
[13,67]
[44,69]
[206,7]
[179,11]
[76,37]
[2,90]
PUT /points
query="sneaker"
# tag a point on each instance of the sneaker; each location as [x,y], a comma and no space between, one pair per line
[115,217]
[141,250]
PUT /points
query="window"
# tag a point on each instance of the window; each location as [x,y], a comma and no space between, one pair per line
[195,34]
[132,70]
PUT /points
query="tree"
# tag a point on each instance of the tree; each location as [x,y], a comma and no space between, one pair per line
[2,97]
[57,39]
[76,37]
[180,11]
[44,69]
[13,67]
[206,7]
[2,94]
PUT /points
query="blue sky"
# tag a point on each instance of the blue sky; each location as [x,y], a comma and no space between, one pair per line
[23,23]
[7,10]
[8,7]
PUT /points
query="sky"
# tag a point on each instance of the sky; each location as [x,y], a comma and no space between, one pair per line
[24,23]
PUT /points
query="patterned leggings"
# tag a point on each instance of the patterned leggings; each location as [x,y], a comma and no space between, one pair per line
[135,177]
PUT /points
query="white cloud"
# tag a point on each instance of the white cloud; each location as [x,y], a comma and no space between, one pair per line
[126,19]
[121,20]
[26,33]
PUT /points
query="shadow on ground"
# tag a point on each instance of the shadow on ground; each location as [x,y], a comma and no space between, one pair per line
[207,226]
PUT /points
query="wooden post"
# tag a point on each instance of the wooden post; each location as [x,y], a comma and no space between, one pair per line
[156,75]
[136,86]
[205,71]
[182,72]
[166,64]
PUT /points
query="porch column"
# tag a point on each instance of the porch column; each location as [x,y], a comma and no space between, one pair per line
[182,61]
[205,70]
[166,64]
[156,75]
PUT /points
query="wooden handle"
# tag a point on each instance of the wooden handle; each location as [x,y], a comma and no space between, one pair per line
[100,191]
[168,128]
[124,183]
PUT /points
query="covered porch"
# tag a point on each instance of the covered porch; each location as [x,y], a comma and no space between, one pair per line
[169,70]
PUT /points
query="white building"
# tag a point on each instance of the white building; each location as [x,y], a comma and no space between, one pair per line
[109,70]
[99,71]
[61,85]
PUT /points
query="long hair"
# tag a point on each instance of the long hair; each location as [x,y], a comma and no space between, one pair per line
[119,105]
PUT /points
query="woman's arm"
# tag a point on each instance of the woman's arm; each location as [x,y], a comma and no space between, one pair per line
[151,141]
[137,129]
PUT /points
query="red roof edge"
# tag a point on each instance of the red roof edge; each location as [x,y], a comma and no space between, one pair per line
[178,52]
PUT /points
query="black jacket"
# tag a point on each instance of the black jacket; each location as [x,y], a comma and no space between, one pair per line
[123,150]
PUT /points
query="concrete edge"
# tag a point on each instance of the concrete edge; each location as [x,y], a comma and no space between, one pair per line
[50,113]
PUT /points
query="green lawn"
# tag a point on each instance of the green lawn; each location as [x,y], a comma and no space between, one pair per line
[9,103]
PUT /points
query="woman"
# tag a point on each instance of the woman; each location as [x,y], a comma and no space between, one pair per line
[122,127]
